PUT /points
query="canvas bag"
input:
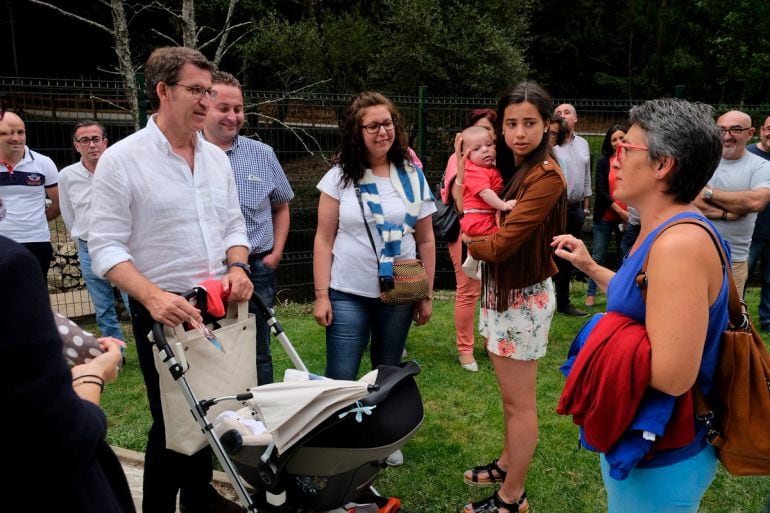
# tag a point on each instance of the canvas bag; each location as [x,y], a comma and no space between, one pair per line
[737,413]
[211,373]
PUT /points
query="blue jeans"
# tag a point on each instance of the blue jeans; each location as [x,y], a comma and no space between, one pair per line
[603,231]
[263,278]
[676,488]
[356,320]
[102,295]
[760,252]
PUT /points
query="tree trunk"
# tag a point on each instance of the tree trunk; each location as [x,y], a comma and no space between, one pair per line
[123,51]
[189,36]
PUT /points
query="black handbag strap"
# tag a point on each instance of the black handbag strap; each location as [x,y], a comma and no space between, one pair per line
[366,225]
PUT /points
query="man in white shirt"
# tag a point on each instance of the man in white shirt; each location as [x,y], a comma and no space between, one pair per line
[90,141]
[165,217]
[27,178]
[575,155]
[738,190]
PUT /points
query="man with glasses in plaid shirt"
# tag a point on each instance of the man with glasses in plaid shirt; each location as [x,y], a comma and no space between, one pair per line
[739,188]
[264,194]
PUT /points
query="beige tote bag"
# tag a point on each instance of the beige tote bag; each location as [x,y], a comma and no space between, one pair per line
[211,373]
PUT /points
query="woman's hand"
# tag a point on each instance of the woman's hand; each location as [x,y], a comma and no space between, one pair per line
[322,311]
[422,311]
[573,250]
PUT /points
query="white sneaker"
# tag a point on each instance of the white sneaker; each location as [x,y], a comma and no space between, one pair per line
[473,366]
[396,459]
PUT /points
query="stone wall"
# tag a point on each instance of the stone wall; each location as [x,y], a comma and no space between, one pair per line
[64,274]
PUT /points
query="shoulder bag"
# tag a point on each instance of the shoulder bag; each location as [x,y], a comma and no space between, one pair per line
[737,412]
[410,281]
[446,222]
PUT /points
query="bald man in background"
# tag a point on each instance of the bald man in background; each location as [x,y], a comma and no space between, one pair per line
[739,189]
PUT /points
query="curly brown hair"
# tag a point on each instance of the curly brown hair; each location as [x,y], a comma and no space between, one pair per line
[351,154]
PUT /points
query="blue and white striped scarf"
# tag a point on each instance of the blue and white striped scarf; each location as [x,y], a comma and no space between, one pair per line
[410,183]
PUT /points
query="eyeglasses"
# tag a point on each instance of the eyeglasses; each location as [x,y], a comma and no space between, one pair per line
[766,128]
[198,91]
[373,128]
[734,130]
[87,141]
[620,154]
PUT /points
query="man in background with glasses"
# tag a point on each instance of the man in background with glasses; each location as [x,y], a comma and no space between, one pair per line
[739,188]
[90,141]
[164,218]
[760,240]
[27,178]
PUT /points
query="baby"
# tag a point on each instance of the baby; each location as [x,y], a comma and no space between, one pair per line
[481,188]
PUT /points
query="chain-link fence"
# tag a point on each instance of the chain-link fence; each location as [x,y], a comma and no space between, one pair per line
[301,127]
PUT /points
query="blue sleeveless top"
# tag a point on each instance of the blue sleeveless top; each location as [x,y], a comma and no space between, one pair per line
[623,296]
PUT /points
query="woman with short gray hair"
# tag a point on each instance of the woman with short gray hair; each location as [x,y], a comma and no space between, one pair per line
[669,153]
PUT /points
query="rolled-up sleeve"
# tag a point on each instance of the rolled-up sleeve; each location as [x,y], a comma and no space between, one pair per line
[110,226]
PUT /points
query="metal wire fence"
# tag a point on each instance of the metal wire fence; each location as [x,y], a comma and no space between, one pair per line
[302,127]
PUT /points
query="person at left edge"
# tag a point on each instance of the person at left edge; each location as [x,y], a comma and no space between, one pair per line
[264,194]
[165,217]
[27,178]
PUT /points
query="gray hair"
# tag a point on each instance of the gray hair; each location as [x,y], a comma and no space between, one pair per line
[687,133]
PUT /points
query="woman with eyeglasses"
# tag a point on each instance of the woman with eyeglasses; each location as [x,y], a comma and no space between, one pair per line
[609,213]
[372,173]
[669,153]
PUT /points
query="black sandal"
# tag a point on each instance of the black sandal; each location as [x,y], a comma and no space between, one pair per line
[494,503]
[495,475]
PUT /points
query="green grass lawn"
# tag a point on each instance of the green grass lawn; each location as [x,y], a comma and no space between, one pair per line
[463,422]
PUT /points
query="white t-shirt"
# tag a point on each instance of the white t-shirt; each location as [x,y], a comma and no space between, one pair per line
[354,265]
[745,174]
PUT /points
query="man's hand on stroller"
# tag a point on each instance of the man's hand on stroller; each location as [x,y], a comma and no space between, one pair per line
[170,309]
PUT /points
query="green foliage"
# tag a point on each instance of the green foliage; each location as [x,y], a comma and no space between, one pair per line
[463,421]
[284,55]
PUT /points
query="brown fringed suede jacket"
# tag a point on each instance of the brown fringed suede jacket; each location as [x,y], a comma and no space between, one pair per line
[520,253]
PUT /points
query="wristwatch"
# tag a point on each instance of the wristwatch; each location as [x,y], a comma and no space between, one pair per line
[241,265]
[708,193]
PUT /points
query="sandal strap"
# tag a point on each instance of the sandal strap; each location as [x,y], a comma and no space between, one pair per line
[489,468]
[493,503]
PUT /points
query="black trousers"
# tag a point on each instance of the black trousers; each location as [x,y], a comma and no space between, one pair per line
[575,220]
[43,251]
[166,472]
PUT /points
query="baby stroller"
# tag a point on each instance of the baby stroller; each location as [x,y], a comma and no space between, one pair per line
[327,439]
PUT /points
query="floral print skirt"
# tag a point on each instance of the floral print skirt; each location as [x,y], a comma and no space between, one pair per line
[521,331]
